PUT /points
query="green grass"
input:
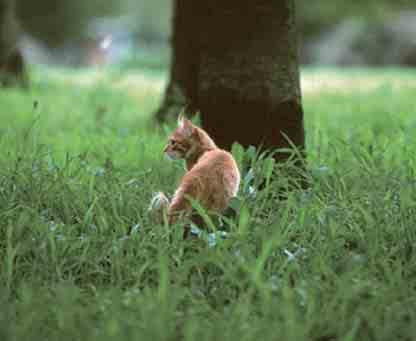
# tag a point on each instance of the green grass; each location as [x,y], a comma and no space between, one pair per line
[80,258]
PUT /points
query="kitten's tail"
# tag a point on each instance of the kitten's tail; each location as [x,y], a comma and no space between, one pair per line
[159,205]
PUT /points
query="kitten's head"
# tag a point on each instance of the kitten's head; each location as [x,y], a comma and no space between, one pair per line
[187,141]
[183,141]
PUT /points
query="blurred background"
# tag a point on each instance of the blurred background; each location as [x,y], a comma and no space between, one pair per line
[93,33]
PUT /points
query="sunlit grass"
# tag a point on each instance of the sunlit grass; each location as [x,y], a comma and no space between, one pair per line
[80,258]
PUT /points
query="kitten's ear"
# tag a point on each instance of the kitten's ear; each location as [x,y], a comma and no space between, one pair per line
[185,125]
[188,127]
[181,120]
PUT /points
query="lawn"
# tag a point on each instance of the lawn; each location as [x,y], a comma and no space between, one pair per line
[81,259]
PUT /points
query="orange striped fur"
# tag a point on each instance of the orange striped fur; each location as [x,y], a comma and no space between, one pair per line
[212,176]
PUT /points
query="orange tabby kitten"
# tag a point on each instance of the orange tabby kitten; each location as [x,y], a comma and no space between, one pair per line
[212,176]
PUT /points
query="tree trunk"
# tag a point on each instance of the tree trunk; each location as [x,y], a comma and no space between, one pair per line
[182,86]
[12,66]
[236,62]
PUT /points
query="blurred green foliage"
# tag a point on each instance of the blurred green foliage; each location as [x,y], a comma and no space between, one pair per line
[320,15]
[57,20]
[151,19]
[54,21]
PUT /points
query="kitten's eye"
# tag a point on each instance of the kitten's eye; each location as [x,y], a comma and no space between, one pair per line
[172,142]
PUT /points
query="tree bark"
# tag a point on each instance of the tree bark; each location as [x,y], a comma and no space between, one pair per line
[182,86]
[12,65]
[236,62]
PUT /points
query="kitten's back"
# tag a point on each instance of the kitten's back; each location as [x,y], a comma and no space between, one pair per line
[213,180]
